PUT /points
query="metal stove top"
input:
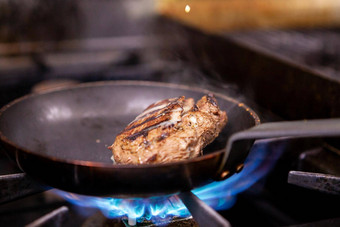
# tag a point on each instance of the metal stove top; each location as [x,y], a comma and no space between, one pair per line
[285,74]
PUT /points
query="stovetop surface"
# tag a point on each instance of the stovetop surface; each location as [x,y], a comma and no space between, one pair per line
[98,57]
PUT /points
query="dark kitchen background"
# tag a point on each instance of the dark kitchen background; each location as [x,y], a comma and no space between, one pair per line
[282,58]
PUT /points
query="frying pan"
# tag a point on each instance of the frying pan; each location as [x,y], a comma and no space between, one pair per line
[60,138]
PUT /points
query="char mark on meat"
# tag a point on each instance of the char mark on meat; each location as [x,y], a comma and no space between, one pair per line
[170,130]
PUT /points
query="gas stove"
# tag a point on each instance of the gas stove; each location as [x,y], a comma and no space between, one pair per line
[282,74]
[275,193]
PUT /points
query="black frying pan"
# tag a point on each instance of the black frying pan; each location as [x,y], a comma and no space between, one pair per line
[60,138]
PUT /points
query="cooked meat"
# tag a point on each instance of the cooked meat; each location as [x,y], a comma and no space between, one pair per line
[170,130]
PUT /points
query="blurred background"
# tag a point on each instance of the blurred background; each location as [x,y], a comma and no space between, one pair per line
[55,43]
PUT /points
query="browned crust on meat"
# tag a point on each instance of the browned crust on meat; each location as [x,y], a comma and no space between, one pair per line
[170,130]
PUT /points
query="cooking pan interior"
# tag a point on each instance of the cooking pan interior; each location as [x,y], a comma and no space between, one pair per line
[79,123]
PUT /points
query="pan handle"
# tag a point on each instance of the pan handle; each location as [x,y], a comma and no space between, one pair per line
[296,129]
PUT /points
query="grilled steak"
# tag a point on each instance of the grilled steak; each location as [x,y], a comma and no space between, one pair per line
[170,130]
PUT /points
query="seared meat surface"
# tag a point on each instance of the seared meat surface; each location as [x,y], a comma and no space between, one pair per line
[170,130]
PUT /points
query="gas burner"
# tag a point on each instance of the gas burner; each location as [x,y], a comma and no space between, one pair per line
[282,74]
[148,211]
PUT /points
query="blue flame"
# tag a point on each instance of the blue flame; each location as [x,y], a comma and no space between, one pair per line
[219,195]
[222,195]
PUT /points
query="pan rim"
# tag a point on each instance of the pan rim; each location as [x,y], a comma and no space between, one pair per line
[94,164]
